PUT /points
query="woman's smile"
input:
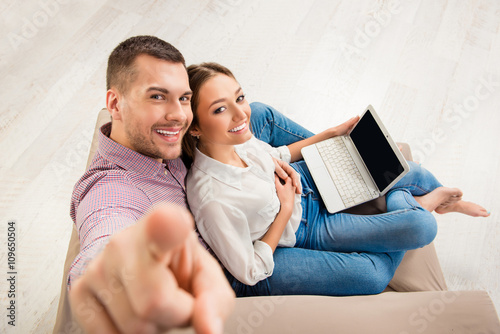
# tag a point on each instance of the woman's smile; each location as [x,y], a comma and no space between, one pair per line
[240,129]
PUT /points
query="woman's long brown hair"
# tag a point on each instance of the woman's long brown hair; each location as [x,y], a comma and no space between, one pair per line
[198,75]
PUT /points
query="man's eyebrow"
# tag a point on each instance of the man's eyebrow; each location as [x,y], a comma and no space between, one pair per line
[223,99]
[159,89]
[165,91]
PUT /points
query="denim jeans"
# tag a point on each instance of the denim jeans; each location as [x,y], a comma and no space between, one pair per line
[274,128]
[405,226]
[338,272]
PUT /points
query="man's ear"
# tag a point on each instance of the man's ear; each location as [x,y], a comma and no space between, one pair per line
[113,105]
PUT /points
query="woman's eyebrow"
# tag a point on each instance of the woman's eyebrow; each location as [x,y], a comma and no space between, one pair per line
[217,101]
[224,99]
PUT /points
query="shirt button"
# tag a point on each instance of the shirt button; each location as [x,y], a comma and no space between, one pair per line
[166,172]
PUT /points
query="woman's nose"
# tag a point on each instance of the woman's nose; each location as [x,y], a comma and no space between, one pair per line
[239,113]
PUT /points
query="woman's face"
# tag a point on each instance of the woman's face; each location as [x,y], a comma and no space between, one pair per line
[223,113]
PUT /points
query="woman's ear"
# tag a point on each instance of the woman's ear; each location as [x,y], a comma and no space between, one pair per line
[194,131]
[195,134]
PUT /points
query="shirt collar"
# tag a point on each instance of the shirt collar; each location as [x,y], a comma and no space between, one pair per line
[129,159]
[227,174]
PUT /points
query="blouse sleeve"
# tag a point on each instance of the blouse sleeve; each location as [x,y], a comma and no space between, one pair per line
[226,231]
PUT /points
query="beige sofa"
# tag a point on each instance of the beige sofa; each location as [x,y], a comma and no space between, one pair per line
[416,300]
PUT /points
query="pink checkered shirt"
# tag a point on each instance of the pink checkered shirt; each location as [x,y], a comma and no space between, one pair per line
[118,188]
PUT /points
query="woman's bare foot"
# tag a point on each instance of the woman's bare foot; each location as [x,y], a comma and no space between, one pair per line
[468,208]
[441,196]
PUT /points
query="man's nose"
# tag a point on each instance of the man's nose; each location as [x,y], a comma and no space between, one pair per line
[175,112]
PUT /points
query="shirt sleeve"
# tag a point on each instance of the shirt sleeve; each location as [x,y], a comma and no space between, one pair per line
[106,209]
[226,231]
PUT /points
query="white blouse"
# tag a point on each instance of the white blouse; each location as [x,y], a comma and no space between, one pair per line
[234,207]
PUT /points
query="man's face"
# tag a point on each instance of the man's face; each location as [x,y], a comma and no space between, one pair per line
[153,116]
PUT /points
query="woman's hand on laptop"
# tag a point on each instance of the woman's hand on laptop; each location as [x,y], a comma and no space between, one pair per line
[344,128]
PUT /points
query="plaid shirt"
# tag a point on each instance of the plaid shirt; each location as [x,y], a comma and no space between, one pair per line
[118,188]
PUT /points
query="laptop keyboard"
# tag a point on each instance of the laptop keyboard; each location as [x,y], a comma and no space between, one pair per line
[344,172]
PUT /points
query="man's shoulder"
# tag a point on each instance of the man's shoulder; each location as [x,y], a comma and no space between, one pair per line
[102,177]
[100,169]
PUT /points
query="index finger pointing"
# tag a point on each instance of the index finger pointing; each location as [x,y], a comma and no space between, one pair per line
[166,228]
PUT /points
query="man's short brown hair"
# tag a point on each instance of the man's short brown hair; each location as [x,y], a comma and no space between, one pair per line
[121,71]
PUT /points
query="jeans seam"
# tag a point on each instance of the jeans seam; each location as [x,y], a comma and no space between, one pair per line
[288,131]
[262,129]
[391,213]
[268,123]
[406,186]
[425,190]
[408,201]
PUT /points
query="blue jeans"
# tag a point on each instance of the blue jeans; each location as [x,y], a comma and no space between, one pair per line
[273,127]
[406,225]
[303,271]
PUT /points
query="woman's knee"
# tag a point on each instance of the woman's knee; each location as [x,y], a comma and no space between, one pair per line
[376,284]
[261,110]
[380,273]
[423,228]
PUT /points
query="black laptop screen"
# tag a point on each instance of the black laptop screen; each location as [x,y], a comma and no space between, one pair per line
[376,151]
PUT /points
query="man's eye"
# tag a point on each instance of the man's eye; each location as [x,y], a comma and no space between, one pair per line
[219,110]
[157,97]
[185,99]
[240,98]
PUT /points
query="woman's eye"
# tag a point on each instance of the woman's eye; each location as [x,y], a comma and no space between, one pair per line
[219,110]
[240,98]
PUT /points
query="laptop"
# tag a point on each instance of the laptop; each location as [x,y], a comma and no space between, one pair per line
[358,167]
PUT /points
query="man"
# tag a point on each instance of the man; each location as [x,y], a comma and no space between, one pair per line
[153,275]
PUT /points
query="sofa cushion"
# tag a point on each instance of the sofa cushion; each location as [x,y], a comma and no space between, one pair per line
[434,312]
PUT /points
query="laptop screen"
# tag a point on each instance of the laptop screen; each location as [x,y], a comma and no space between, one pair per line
[376,151]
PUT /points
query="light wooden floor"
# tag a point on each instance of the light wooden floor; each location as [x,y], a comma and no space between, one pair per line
[430,67]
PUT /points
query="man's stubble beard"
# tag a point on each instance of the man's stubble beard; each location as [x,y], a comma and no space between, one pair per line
[146,146]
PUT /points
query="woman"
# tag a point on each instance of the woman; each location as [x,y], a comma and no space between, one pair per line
[245,212]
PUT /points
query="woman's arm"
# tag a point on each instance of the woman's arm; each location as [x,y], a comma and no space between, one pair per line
[286,195]
[226,230]
[338,130]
